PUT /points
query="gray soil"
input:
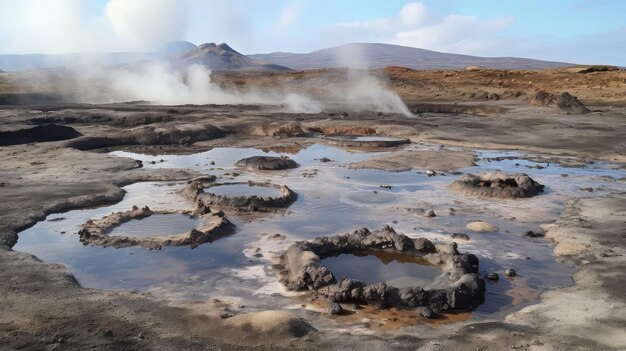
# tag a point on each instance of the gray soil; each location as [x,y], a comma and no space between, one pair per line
[43,307]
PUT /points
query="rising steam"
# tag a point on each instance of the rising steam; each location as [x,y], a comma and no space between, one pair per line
[161,83]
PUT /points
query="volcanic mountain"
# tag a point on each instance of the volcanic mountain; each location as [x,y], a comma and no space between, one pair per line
[222,58]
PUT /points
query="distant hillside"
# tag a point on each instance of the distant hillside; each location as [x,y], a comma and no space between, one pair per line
[382,55]
[176,47]
[222,57]
[180,53]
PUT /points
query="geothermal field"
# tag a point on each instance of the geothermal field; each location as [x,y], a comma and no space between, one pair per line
[206,199]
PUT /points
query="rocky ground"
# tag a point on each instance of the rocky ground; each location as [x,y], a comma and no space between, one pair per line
[43,307]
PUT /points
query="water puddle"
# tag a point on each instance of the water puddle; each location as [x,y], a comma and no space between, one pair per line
[363,138]
[332,199]
[156,225]
[374,267]
[244,189]
[372,197]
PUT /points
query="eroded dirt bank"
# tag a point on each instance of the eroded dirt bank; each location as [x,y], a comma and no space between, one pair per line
[44,307]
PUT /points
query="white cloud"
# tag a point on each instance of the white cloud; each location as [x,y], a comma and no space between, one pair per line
[47,26]
[288,16]
[467,34]
[415,26]
[148,23]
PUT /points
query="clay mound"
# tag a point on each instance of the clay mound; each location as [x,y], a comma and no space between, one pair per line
[459,287]
[272,323]
[564,101]
[601,68]
[48,132]
[275,129]
[160,134]
[498,184]
[203,198]
[266,163]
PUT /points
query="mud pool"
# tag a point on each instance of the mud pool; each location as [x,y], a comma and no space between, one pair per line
[374,267]
[156,225]
[334,200]
[244,189]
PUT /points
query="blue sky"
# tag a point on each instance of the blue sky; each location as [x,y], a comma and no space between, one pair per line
[581,31]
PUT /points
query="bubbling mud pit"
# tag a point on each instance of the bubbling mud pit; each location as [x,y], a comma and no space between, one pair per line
[240,265]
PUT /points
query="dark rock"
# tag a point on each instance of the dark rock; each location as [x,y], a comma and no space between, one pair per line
[460,236]
[492,276]
[531,234]
[564,101]
[510,272]
[335,308]
[425,312]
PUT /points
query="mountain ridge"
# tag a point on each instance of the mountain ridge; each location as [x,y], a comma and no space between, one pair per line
[378,55]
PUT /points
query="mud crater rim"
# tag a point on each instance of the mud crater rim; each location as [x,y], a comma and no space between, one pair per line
[98,231]
[203,198]
[458,287]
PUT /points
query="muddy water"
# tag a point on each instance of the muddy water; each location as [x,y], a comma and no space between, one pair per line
[244,189]
[334,200]
[156,225]
[374,267]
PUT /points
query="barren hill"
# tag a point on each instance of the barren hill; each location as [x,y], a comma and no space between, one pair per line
[222,57]
[382,55]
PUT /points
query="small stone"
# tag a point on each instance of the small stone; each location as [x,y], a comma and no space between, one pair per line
[425,312]
[225,315]
[430,214]
[510,272]
[108,333]
[589,189]
[492,276]
[430,173]
[385,186]
[531,234]
[141,336]
[356,306]
[325,159]
[451,211]
[460,236]
[335,308]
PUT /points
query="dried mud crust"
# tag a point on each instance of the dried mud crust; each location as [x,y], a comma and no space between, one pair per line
[329,140]
[498,184]
[459,287]
[95,231]
[202,197]
[266,163]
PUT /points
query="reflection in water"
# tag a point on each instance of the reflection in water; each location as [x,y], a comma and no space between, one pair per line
[363,138]
[377,266]
[156,225]
[331,202]
[244,189]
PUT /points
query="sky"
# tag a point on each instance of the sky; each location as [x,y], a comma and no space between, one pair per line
[578,31]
